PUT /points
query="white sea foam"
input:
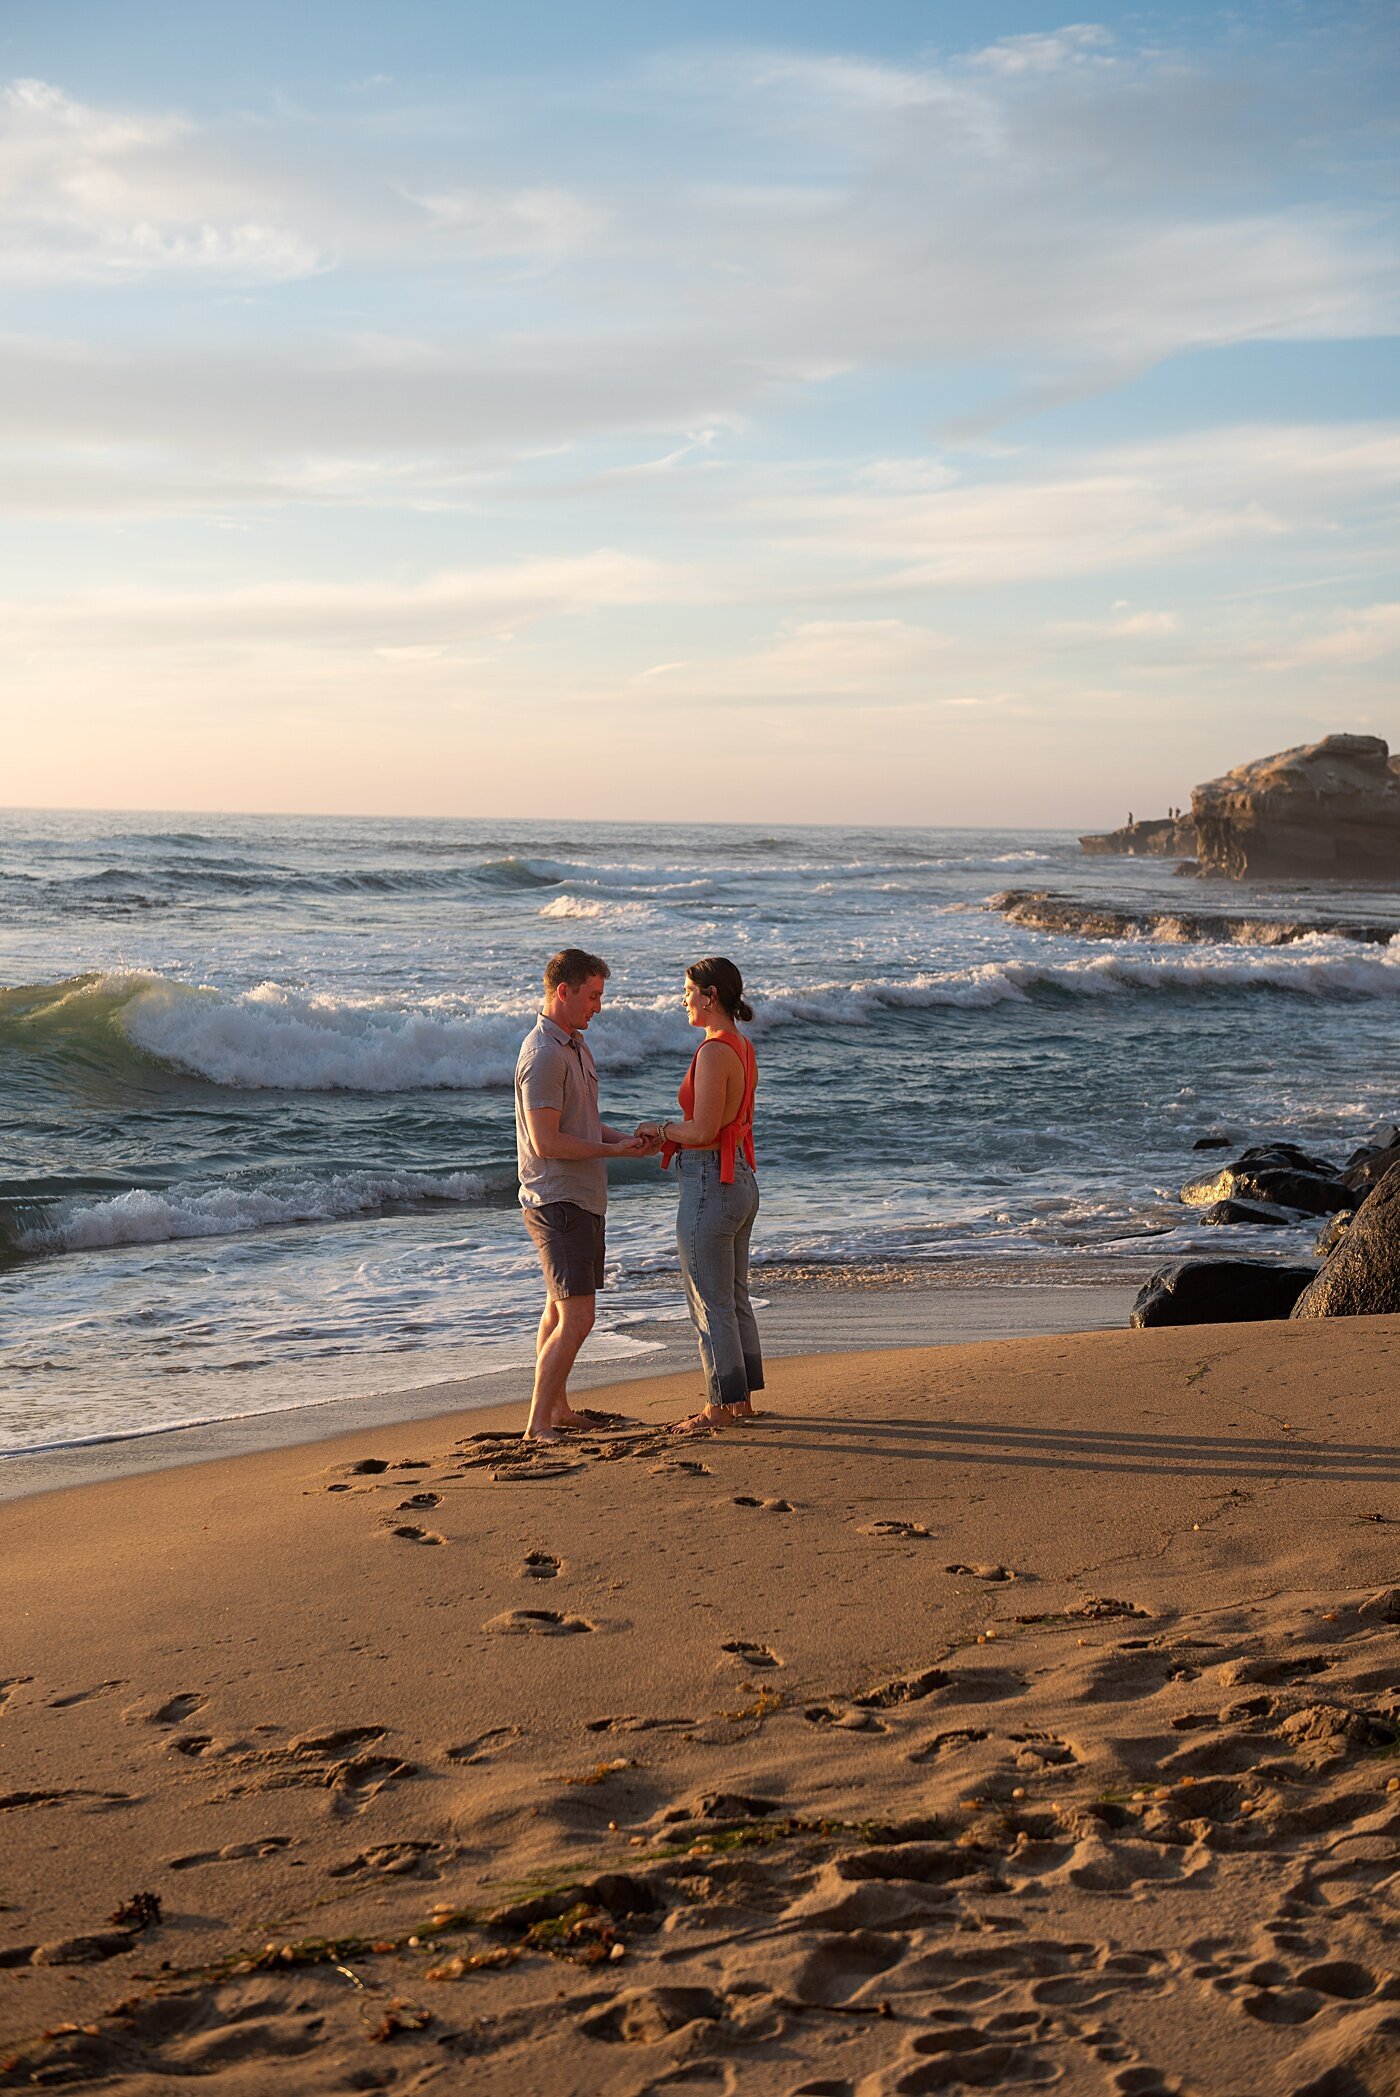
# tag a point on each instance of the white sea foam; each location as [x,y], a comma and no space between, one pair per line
[146,1217]
[599,908]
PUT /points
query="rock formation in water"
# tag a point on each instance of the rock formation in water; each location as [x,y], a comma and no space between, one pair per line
[1042,911]
[1329,809]
[1276,1173]
[1154,837]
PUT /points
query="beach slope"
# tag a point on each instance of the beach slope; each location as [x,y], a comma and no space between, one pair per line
[1006,1715]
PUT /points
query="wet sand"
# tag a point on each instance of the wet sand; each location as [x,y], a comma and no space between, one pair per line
[1009,1714]
[825,1310]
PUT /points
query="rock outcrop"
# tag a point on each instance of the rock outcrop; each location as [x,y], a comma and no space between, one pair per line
[1042,911]
[1219,1292]
[1330,808]
[1155,837]
[1361,1277]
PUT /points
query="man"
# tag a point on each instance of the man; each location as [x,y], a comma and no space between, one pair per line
[562,1147]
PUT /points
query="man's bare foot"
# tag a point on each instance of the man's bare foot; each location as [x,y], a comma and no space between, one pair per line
[549,1429]
[746,1411]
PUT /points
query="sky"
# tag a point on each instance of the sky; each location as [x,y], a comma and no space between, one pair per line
[895,413]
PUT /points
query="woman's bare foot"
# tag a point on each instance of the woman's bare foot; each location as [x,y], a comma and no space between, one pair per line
[708,1420]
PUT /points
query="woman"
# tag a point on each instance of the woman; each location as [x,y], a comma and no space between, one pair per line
[718,1192]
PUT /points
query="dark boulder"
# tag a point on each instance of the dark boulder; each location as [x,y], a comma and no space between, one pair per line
[1219,1292]
[1362,1275]
[1214,1139]
[1367,1167]
[1257,1212]
[1284,1156]
[1289,1188]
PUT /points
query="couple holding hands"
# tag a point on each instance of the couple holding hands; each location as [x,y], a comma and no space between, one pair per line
[562,1146]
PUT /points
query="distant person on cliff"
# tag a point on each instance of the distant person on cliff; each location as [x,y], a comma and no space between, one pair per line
[562,1147]
[713,1147]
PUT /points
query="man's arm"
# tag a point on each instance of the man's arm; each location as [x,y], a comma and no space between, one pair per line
[548,1141]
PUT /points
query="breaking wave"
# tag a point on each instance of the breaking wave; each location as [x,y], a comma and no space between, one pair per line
[280,1039]
[144,1216]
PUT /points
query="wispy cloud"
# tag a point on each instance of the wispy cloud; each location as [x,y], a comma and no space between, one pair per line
[98,195]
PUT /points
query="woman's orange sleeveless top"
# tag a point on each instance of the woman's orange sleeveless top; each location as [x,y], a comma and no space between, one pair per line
[737,1134]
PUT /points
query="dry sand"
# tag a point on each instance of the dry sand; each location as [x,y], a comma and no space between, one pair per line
[1002,1716]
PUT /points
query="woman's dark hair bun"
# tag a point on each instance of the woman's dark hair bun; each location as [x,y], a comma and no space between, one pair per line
[724,980]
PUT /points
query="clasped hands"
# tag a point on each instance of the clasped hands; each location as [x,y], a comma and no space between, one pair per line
[645,1142]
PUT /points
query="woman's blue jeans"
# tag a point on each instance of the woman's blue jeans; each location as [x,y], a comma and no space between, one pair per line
[713,1228]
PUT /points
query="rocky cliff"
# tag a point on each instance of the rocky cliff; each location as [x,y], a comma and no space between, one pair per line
[1330,809]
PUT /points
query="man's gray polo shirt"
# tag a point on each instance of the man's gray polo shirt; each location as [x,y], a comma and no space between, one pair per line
[555,1069]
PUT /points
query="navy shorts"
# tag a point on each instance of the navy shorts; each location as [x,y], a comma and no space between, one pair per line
[569,1241]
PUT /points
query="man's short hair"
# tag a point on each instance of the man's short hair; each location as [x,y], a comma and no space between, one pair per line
[573,968]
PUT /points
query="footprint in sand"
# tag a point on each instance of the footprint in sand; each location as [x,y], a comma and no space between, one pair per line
[190,1744]
[541,1565]
[334,1743]
[9,1684]
[982,1572]
[949,1743]
[530,1473]
[173,1712]
[682,1466]
[419,1500]
[354,1783]
[305,1764]
[233,1853]
[86,1801]
[410,1533]
[539,1623]
[82,1696]
[400,1860]
[635,1722]
[846,1716]
[486,1746]
[894,1528]
[904,1689]
[751,1655]
[767,1506]
[1042,1751]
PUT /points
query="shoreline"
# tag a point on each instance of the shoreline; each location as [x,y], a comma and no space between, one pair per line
[815,1314]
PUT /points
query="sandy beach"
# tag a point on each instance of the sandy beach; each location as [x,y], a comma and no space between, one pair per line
[1009,1714]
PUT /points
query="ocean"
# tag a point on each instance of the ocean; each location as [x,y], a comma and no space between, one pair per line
[256,1134]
